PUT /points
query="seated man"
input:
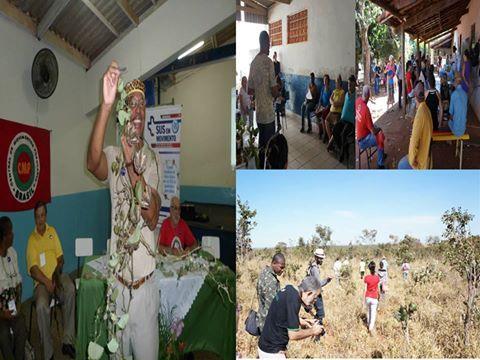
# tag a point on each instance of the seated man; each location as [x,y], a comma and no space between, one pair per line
[175,235]
[368,135]
[13,332]
[419,147]
[444,95]
[45,264]
[336,106]
[309,104]
[458,108]
[283,322]
[346,125]
[322,110]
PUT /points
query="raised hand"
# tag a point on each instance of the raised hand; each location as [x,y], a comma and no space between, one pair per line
[110,82]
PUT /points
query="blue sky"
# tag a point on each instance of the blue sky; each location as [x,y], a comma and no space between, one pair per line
[291,203]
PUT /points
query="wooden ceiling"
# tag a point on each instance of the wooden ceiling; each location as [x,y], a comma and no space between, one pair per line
[83,29]
[258,7]
[424,20]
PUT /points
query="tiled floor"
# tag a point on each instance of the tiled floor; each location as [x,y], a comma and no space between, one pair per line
[307,151]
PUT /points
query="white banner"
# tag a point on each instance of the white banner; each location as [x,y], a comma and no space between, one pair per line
[162,132]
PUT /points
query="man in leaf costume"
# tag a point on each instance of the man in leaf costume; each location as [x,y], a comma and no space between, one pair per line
[133,174]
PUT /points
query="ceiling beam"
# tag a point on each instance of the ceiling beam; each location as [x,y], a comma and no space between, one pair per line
[48,19]
[128,10]
[253,4]
[391,9]
[429,35]
[16,15]
[101,17]
[443,33]
[283,1]
[252,10]
[432,10]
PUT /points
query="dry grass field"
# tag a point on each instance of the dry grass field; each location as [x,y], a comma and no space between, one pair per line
[435,329]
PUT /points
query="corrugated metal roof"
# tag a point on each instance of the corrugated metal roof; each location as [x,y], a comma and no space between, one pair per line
[78,25]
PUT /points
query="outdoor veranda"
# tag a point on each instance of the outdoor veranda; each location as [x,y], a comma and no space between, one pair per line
[433,27]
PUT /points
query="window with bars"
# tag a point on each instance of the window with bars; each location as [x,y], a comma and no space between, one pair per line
[275,31]
[297,27]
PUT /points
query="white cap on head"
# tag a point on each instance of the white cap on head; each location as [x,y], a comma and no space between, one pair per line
[319,253]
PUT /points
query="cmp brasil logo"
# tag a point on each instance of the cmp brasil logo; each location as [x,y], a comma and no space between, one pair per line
[23,167]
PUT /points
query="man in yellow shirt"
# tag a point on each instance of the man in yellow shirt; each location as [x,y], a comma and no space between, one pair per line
[44,264]
[419,147]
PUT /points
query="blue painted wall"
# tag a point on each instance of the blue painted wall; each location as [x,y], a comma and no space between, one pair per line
[297,85]
[207,194]
[85,214]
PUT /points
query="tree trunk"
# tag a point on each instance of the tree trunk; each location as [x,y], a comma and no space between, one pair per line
[467,321]
[366,63]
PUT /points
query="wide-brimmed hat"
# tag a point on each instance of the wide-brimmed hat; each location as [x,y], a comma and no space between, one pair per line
[319,253]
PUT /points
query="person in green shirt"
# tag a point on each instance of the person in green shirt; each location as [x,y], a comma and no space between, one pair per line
[267,287]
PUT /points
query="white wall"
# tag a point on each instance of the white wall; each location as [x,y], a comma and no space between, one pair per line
[464,29]
[62,113]
[247,46]
[172,28]
[331,38]
[205,94]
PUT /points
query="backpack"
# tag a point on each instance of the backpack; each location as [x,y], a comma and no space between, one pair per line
[251,323]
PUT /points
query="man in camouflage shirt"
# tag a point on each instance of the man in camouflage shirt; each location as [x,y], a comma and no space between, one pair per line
[314,270]
[267,287]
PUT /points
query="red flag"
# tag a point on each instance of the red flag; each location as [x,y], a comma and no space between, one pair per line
[24,166]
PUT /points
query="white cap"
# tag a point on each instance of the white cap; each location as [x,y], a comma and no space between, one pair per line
[319,253]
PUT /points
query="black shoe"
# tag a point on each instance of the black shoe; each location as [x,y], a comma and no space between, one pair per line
[309,130]
[302,130]
[68,349]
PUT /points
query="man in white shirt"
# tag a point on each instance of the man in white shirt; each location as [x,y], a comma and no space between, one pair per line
[12,347]
[138,291]
[262,84]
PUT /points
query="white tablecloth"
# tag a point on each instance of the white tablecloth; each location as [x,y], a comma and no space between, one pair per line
[176,294]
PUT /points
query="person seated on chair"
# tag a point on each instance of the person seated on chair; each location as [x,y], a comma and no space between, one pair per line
[323,108]
[346,125]
[336,106]
[419,147]
[458,108]
[311,99]
[444,95]
[45,264]
[280,101]
[368,135]
[175,236]
[276,154]
[13,332]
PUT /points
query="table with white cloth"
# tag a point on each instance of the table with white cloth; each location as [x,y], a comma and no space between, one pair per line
[188,293]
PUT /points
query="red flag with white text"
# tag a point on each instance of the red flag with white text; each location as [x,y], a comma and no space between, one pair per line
[24,166]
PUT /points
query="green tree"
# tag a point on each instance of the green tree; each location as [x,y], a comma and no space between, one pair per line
[405,250]
[322,237]
[462,251]
[367,237]
[245,225]
[365,16]
[301,242]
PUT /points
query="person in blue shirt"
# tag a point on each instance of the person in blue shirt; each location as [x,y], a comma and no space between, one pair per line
[345,126]
[458,108]
[324,107]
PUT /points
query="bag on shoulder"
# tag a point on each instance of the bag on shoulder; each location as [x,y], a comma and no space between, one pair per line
[251,323]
